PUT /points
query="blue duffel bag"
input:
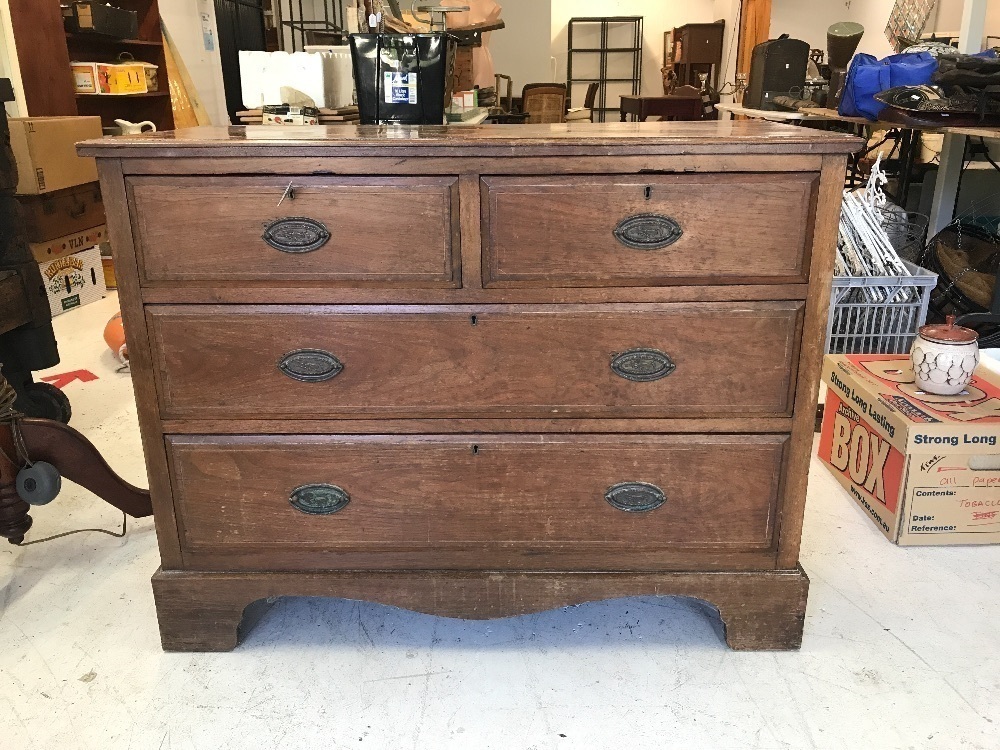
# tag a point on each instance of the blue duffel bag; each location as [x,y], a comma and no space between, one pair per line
[868,76]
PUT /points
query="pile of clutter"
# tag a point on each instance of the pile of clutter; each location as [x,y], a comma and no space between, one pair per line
[864,246]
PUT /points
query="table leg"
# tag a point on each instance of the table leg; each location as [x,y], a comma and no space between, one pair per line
[946,186]
[907,159]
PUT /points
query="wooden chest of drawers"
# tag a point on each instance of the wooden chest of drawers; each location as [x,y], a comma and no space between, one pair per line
[476,372]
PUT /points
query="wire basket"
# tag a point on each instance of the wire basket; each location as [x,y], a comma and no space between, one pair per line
[907,232]
[878,314]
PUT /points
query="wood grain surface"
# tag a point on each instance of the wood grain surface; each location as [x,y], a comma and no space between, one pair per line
[140,359]
[476,429]
[431,492]
[737,229]
[709,137]
[537,361]
[384,231]
[205,611]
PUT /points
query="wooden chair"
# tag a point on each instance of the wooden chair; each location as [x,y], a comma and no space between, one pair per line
[544,102]
[586,113]
[708,100]
[690,91]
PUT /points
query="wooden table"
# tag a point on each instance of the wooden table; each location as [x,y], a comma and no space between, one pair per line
[667,107]
[771,115]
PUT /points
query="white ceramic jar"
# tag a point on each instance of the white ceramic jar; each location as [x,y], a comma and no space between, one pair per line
[945,357]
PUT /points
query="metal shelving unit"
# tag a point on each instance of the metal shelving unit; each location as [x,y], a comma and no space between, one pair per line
[605,29]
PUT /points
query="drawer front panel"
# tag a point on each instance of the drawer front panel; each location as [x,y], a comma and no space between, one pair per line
[376,231]
[395,492]
[647,230]
[701,360]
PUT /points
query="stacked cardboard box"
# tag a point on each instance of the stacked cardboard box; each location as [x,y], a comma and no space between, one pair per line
[61,203]
[924,468]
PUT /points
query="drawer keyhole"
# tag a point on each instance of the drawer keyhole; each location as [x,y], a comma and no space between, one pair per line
[649,192]
[474,320]
[475,450]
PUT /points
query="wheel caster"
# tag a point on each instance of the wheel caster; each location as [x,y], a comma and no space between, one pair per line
[45,401]
[38,484]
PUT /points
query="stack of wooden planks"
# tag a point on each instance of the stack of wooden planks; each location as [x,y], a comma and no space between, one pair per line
[345,115]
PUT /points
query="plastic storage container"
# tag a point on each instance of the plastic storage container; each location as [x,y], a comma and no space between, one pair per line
[403,78]
[878,314]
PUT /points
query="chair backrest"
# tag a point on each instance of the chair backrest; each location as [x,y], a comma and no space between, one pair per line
[591,97]
[686,91]
[685,108]
[544,102]
[690,92]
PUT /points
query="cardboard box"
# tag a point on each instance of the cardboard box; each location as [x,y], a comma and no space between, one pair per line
[129,77]
[74,280]
[62,212]
[924,468]
[69,244]
[45,152]
[110,278]
[85,77]
[121,78]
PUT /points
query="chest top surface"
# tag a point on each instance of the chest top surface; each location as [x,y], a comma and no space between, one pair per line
[744,136]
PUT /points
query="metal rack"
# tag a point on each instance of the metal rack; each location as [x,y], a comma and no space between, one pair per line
[302,22]
[604,50]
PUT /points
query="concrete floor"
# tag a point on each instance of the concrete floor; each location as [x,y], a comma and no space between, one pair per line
[902,648]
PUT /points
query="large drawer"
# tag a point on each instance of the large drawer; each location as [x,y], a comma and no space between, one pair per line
[662,361]
[375,231]
[442,494]
[647,230]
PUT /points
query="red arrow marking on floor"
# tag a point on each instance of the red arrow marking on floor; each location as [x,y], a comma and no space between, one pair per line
[61,381]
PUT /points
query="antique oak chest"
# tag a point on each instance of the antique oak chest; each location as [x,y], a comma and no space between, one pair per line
[476,372]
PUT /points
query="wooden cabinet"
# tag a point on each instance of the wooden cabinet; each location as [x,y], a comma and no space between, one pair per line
[45,50]
[477,372]
[694,49]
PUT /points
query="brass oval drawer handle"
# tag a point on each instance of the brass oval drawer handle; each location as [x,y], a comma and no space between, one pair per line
[311,366]
[319,499]
[648,232]
[296,234]
[642,365]
[635,497]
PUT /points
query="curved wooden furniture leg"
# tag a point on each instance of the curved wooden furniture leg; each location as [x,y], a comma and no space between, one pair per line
[79,461]
[14,518]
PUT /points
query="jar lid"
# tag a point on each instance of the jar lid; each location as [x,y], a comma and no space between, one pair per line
[949,333]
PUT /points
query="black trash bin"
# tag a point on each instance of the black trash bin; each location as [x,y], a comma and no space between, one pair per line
[403,78]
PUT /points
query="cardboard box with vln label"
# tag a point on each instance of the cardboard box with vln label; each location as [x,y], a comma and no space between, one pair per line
[925,468]
[74,280]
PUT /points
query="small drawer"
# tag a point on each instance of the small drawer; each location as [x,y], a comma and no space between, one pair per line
[440,494]
[542,361]
[647,230]
[359,231]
